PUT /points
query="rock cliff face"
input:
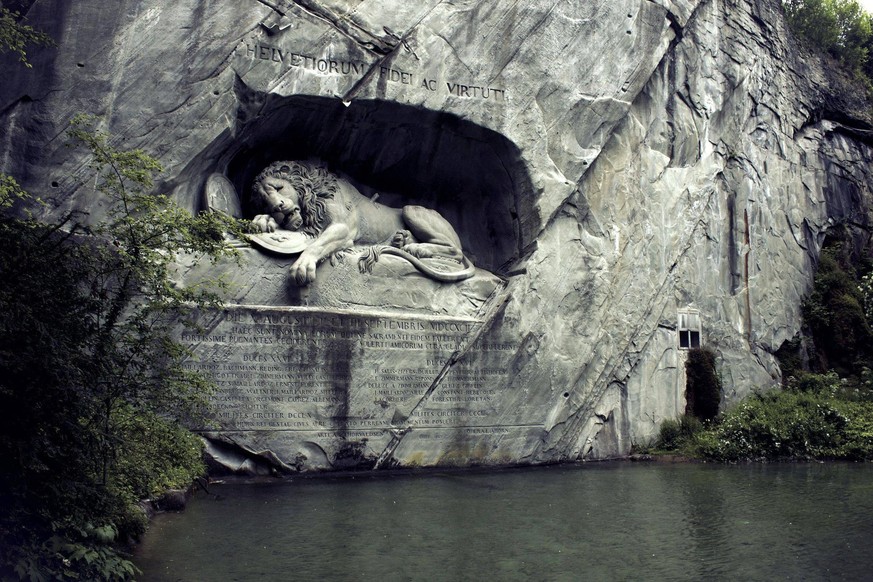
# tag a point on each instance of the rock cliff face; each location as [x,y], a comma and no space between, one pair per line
[612,164]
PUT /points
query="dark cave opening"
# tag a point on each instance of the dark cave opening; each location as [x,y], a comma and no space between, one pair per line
[472,175]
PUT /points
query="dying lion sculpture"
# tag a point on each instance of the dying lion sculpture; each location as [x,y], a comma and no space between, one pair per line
[306,198]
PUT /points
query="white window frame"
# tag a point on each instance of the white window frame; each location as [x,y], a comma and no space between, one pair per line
[689,329]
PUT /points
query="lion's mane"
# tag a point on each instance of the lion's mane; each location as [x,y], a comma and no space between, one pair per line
[312,182]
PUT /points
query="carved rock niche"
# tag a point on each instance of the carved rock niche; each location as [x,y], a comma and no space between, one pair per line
[398,155]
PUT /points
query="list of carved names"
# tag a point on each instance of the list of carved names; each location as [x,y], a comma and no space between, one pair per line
[317,371]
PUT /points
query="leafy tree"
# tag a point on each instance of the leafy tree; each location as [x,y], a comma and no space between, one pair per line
[855,34]
[92,388]
[840,27]
[15,35]
[814,20]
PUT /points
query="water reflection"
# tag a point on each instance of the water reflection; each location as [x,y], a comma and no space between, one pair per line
[596,522]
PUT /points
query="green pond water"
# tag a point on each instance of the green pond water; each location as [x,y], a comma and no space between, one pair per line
[597,521]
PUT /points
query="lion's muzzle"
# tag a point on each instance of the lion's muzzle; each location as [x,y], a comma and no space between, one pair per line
[294,221]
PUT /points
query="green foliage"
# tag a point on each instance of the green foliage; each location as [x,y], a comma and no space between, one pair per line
[15,36]
[835,314]
[815,417]
[792,425]
[810,382]
[88,555]
[702,384]
[677,435]
[839,27]
[812,421]
[92,386]
[10,192]
[154,454]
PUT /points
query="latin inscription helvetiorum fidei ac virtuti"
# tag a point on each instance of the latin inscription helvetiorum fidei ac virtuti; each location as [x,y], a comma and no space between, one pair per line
[326,65]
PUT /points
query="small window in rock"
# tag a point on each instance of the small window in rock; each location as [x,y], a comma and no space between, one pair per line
[689,329]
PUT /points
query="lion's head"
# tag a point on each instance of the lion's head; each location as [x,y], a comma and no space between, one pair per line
[293,193]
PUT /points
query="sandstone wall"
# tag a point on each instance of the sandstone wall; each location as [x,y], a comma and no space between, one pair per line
[609,162]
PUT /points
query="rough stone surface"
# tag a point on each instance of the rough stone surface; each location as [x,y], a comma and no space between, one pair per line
[607,163]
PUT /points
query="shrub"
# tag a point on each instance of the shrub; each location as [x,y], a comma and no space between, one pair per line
[834,313]
[792,425]
[678,434]
[823,384]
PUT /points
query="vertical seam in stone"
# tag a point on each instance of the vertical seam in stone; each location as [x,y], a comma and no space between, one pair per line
[471,339]
[747,244]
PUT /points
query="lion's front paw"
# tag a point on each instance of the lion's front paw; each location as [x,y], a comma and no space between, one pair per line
[418,250]
[401,238]
[265,223]
[303,270]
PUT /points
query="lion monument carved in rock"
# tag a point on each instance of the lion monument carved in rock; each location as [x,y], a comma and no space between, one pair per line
[306,198]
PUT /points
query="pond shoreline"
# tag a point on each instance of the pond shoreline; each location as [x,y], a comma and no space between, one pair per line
[645,458]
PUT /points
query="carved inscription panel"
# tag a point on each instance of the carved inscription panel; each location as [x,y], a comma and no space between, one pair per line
[303,63]
[296,369]
[255,51]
